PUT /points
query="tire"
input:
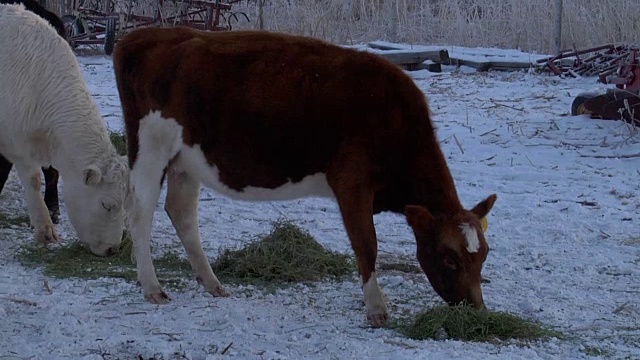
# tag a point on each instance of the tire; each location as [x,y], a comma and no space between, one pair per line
[577,106]
[110,36]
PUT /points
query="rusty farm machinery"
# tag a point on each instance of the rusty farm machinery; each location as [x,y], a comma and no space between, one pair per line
[102,22]
[615,65]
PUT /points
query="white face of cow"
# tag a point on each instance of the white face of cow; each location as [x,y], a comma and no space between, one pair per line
[95,205]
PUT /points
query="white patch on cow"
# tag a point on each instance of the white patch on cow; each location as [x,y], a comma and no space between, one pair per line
[193,161]
[373,298]
[159,140]
[471,234]
[371,289]
[162,136]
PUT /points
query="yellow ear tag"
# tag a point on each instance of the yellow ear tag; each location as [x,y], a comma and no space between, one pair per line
[485,224]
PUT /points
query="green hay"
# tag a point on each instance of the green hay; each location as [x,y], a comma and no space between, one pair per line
[75,261]
[469,324]
[7,222]
[118,140]
[287,254]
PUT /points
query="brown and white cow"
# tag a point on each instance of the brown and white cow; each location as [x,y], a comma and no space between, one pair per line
[262,116]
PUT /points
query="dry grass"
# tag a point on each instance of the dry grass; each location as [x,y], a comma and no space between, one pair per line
[10,220]
[526,25]
[75,261]
[286,255]
[469,324]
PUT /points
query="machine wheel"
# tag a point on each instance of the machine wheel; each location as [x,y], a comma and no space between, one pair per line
[577,106]
[110,36]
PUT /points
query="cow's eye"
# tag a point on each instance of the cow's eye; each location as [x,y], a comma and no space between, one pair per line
[450,263]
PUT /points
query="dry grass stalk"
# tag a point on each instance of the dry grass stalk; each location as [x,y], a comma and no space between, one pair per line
[513,24]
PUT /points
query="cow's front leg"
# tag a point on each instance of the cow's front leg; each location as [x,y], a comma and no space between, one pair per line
[358,221]
[356,206]
[159,141]
[144,191]
[5,169]
[182,207]
[38,213]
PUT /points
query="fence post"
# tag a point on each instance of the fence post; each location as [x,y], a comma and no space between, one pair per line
[393,32]
[557,43]
[261,14]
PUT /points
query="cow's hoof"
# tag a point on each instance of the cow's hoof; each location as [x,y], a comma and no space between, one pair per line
[158,298]
[219,291]
[47,236]
[378,320]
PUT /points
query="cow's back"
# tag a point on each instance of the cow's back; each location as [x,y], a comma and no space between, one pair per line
[40,81]
[38,9]
[275,103]
[27,41]
[33,50]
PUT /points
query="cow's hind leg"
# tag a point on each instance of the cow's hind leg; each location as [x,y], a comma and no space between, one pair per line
[159,141]
[182,207]
[51,186]
[51,192]
[38,213]
[355,200]
[5,169]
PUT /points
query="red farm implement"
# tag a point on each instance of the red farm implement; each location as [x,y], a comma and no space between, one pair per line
[102,22]
[616,65]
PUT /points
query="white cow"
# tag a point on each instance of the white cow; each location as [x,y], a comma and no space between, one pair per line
[48,117]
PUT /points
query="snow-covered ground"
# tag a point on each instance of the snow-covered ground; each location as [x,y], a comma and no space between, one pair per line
[564,238]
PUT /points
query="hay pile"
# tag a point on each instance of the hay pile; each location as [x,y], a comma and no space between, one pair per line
[286,254]
[75,261]
[7,221]
[467,323]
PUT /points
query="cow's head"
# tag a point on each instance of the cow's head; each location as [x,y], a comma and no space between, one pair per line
[95,204]
[451,250]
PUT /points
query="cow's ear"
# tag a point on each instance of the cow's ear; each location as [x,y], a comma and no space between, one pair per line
[483,207]
[92,175]
[419,218]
